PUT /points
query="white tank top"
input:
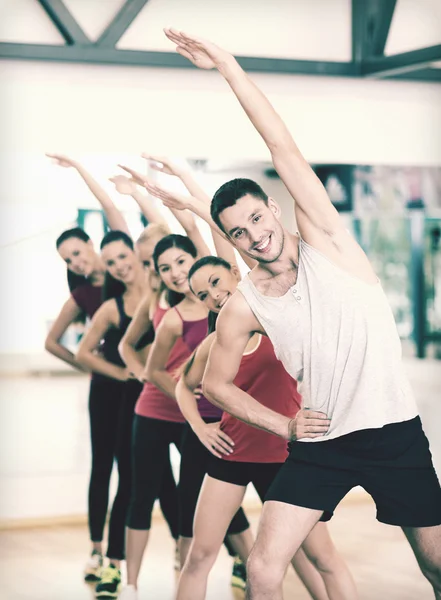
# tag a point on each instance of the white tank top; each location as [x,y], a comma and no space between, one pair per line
[336,335]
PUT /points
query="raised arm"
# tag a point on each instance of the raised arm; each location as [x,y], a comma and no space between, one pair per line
[184,217]
[199,201]
[166,336]
[141,323]
[113,215]
[68,314]
[124,185]
[105,318]
[318,221]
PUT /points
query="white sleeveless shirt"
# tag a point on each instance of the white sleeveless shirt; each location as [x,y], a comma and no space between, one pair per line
[337,336]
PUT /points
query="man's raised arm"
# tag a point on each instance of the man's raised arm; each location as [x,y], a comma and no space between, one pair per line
[313,206]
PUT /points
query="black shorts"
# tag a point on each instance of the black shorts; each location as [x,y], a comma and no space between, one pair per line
[261,475]
[393,464]
[195,459]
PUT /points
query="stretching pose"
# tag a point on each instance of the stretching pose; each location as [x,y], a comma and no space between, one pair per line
[244,455]
[319,301]
[85,274]
[158,420]
[125,284]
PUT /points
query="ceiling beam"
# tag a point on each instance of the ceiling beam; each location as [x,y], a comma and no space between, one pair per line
[428,75]
[398,64]
[379,20]
[122,21]
[63,20]
[96,55]
[358,8]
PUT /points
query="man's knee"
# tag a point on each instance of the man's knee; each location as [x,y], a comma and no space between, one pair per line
[262,573]
[432,571]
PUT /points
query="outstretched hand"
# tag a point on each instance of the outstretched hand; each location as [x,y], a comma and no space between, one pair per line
[124,185]
[169,198]
[62,160]
[163,165]
[136,176]
[202,53]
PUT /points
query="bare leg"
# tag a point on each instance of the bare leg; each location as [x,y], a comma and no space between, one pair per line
[184,548]
[136,543]
[98,547]
[426,545]
[321,551]
[282,530]
[309,576]
[242,543]
[218,503]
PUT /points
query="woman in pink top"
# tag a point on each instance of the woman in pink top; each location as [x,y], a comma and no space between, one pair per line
[242,454]
[158,420]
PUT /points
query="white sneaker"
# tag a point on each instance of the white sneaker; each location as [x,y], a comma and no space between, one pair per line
[129,592]
[94,565]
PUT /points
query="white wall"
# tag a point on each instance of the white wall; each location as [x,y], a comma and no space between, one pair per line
[105,115]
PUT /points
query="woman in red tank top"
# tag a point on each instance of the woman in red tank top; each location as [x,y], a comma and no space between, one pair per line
[241,453]
[158,421]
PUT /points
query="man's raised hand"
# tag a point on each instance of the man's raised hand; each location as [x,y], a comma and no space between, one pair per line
[202,53]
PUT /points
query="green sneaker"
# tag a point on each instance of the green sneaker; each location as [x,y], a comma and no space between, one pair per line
[239,574]
[110,583]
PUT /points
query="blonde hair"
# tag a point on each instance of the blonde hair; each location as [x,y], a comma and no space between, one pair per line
[153,230]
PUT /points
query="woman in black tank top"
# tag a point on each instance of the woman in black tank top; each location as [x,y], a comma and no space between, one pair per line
[124,287]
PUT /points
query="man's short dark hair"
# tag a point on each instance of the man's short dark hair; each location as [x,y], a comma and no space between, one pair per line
[229,193]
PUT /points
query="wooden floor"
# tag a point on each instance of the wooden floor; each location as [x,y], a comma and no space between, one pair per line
[46,563]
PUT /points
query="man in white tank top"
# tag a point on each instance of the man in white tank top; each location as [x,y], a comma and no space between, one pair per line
[318,299]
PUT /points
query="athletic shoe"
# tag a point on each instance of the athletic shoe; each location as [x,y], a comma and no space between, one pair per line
[129,593]
[239,574]
[110,583]
[92,570]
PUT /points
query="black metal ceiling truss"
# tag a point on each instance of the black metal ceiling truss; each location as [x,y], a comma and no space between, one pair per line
[371,21]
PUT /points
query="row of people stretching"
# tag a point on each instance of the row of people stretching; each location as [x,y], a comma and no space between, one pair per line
[311,300]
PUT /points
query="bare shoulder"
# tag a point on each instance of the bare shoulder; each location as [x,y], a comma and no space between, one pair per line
[237,317]
[171,323]
[107,313]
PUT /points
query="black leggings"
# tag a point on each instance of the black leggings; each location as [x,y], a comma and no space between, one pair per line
[111,408]
[150,459]
[194,463]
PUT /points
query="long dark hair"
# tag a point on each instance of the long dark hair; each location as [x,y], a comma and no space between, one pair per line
[173,240]
[113,288]
[73,280]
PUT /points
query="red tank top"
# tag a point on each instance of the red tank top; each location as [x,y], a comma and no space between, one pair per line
[263,377]
[153,403]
